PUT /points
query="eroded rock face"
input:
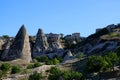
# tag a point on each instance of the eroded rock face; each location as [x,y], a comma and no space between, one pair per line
[41,44]
[68,55]
[54,41]
[20,47]
[1,44]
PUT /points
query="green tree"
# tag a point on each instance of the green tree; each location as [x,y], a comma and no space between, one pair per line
[6,36]
[96,64]
[112,59]
[70,75]
[56,61]
[55,73]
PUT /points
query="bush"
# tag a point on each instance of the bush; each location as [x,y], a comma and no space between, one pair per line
[5,67]
[112,35]
[30,66]
[15,69]
[36,76]
[24,71]
[48,61]
[42,58]
[55,74]
[71,75]
[80,56]
[37,64]
[6,36]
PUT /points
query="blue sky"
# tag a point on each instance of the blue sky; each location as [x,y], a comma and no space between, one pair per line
[57,16]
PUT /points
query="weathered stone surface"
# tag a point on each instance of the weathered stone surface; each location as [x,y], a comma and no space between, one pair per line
[54,41]
[68,55]
[20,47]
[1,44]
[41,44]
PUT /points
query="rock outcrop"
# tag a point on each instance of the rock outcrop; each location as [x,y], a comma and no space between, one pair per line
[41,44]
[68,55]
[20,47]
[54,41]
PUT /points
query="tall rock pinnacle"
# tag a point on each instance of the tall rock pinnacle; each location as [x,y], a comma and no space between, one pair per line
[41,43]
[20,47]
[41,40]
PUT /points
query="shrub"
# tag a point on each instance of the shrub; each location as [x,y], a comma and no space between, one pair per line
[24,71]
[56,61]
[5,67]
[55,74]
[30,66]
[80,56]
[37,64]
[42,58]
[71,75]
[6,36]
[36,76]
[112,35]
[15,69]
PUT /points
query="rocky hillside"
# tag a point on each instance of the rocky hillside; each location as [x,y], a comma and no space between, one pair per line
[102,41]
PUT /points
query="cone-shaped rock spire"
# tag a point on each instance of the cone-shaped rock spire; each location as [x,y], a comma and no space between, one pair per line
[41,40]
[20,47]
[41,43]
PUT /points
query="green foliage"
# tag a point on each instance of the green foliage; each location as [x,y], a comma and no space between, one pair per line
[1,75]
[5,67]
[48,61]
[37,64]
[6,36]
[30,66]
[42,58]
[112,59]
[36,76]
[70,75]
[96,64]
[24,71]
[112,34]
[80,55]
[55,74]
[15,69]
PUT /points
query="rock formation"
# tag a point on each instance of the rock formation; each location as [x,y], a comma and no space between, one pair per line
[41,43]
[20,47]
[68,55]
[54,41]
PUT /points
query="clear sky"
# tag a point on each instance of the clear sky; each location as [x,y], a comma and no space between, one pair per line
[57,16]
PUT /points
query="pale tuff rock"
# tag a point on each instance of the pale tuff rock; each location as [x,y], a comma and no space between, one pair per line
[1,44]
[20,47]
[41,44]
[68,55]
[54,41]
